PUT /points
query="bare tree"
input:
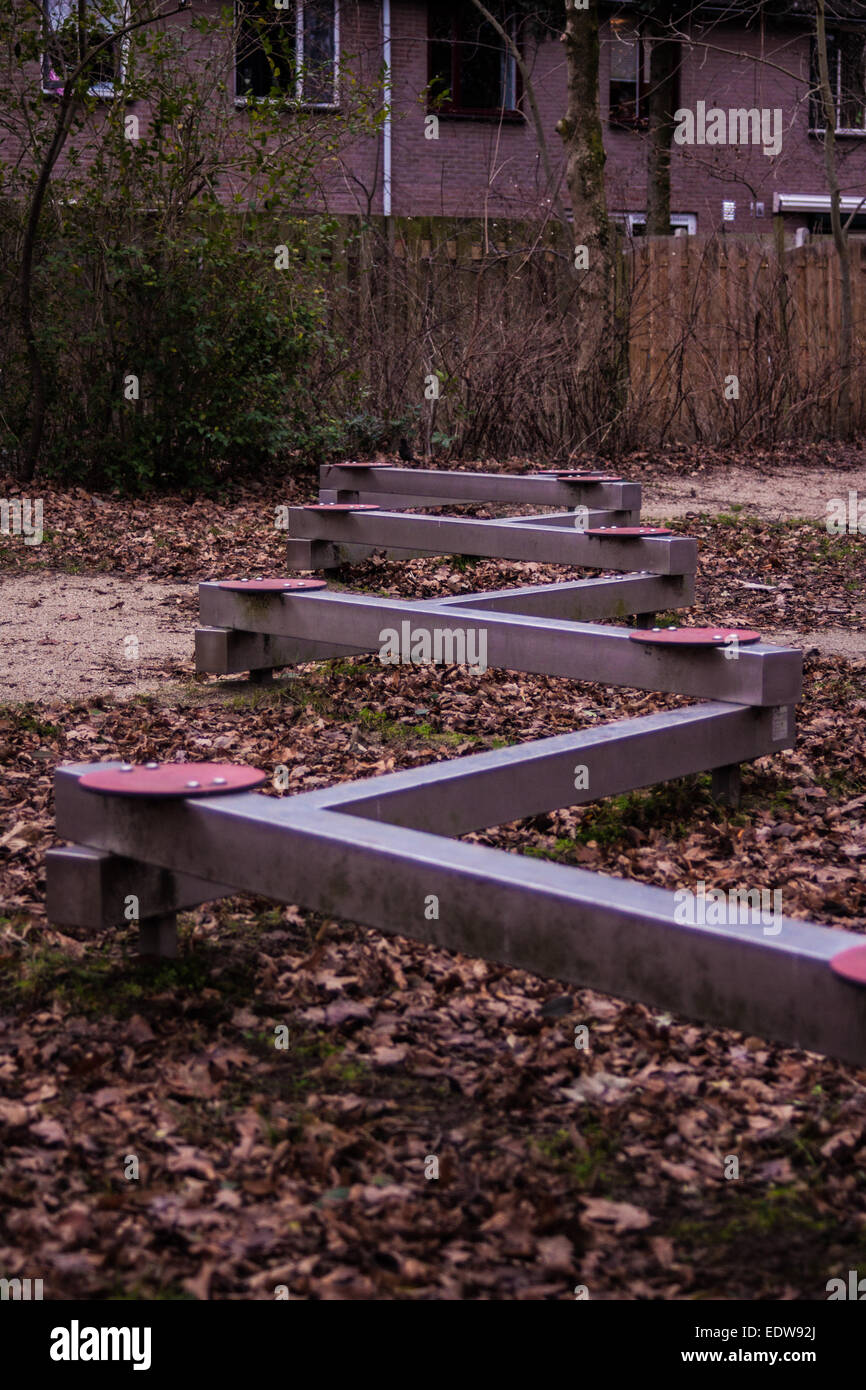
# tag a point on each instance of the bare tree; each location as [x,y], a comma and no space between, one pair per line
[664,61]
[581,132]
[840,234]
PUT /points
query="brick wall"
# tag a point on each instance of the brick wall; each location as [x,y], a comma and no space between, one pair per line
[479,167]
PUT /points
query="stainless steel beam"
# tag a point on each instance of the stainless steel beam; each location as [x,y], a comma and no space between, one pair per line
[395,501]
[86,888]
[457,486]
[221,651]
[586,600]
[590,930]
[503,540]
[225,651]
[509,784]
[761,675]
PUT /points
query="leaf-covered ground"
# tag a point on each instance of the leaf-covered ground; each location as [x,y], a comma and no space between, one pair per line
[305,1167]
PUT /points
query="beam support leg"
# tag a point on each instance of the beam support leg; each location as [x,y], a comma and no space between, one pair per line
[157,936]
[645,622]
[726,785]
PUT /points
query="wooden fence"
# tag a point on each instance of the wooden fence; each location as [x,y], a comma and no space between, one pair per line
[704,311]
[727,338]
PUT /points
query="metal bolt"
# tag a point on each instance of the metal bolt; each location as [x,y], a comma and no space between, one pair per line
[126,767]
[219,781]
[151,767]
[193,784]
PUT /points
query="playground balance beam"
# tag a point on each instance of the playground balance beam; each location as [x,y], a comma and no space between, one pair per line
[308,624]
[436,487]
[324,539]
[362,852]
[226,650]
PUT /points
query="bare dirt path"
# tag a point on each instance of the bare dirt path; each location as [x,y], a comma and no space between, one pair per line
[66,637]
[775,496]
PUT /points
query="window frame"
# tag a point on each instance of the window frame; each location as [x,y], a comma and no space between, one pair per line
[679,220]
[296,100]
[643,85]
[641,78]
[102,91]
[454,109]
[816,104]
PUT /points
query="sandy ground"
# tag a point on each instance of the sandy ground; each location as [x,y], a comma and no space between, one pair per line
[66,637]
[798,492]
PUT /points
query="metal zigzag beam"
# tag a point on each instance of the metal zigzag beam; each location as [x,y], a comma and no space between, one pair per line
[506,539]
[761,675]
[230,648]
[378,851]
[622,937]
[437,487]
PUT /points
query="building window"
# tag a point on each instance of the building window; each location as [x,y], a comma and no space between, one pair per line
[681,223]
[66,42]
[629,76]
[289,51]
[846,58]
[629,83]
[472,70]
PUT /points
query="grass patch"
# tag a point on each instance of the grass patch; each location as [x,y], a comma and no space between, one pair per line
[97,984]
[670,808]
[590,1165]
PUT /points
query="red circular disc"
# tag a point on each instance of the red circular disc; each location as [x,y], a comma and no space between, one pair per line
[268,586]
[695,636]
[569,477]
[340,507]
[627,532]
[851,965]
[588,478]
[173,779]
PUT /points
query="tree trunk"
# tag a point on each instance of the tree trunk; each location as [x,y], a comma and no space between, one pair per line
[840,235]
[664,60]
[580,129]
[31,230]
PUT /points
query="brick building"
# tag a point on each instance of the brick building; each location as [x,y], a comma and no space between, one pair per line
[459,141]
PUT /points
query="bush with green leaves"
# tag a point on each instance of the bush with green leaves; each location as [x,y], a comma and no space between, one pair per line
[175,358]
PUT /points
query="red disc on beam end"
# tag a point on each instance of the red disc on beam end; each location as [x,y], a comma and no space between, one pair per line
[851,965]
[627,532]
[587,478]
[340,506]
[695,636]
[163,780]
[269,586]
[571,477]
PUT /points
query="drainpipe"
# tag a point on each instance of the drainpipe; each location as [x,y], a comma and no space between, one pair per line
[386,129]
